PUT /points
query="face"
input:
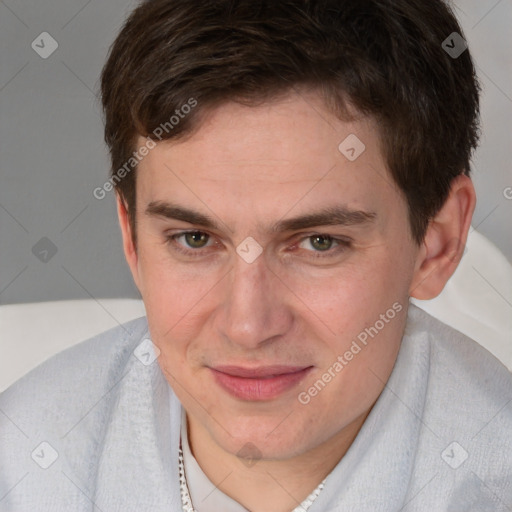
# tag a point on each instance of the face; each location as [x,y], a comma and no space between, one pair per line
[275,272]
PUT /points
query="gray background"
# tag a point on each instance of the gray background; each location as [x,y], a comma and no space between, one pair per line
[53,155]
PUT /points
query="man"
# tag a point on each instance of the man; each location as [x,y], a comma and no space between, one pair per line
[288,174]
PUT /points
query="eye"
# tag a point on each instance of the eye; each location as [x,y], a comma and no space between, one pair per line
[318,244]
[196,239]
[189,242]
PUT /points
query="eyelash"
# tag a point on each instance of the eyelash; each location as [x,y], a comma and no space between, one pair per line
[342,244]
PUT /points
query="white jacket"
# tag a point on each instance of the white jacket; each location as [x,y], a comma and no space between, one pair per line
[92,430]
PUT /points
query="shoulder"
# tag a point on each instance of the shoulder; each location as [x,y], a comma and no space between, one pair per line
[458,363]
[467,415]
[59,415]
[64,385]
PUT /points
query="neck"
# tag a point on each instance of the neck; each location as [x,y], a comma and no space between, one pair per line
[277,485]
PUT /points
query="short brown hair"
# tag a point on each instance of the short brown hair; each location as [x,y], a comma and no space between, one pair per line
[384,57]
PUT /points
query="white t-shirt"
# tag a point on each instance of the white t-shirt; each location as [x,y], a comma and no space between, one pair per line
[205,496]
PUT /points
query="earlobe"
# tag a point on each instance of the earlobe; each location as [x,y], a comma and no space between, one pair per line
[444,242]
[129,248]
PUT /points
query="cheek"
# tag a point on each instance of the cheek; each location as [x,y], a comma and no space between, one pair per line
[355,368]
[179,301]
[366,307]
[172,293]
[346,299]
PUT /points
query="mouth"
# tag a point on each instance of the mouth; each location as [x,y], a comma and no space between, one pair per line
[260,383]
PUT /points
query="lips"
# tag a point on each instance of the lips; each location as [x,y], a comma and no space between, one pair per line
[260,383]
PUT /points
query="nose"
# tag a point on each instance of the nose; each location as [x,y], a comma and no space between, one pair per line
[254,311]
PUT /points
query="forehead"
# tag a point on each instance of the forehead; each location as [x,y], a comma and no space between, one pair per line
[284,155]
[286,130]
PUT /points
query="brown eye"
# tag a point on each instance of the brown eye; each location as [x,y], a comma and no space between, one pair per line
[321,245]
[192,244]
[321,242]
[196,239]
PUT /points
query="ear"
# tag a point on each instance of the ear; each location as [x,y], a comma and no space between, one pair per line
[130,251]
[445,239]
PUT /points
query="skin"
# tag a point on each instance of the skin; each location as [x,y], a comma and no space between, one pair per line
[300,302]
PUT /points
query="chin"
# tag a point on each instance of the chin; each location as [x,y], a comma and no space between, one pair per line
[263,437]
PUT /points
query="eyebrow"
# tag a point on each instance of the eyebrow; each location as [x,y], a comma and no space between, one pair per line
[331,216]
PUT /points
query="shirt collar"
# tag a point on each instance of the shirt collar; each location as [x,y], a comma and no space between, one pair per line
[205,496]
